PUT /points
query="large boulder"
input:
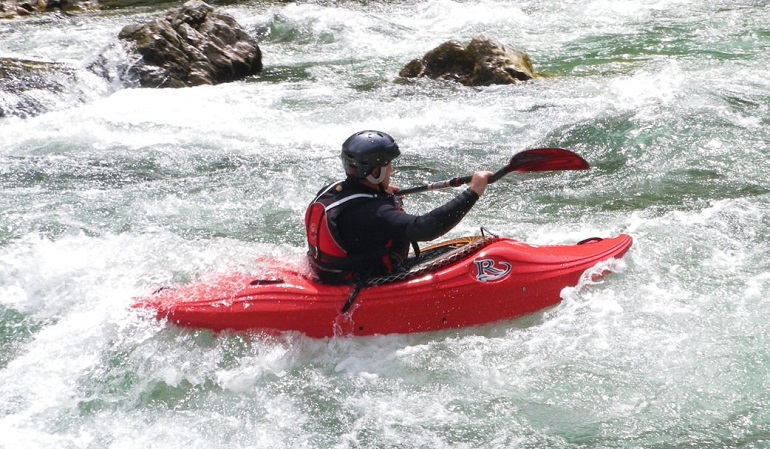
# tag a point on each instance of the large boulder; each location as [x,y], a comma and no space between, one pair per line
[191,46]
[483,62]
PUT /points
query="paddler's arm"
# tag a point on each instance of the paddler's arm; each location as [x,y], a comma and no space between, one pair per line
[441,220]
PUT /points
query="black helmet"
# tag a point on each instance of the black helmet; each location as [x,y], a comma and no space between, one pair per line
[366,150]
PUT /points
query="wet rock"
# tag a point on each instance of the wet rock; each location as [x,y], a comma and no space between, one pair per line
[483,62]
[13,8]
[191,46]
[107,4]
[117,4]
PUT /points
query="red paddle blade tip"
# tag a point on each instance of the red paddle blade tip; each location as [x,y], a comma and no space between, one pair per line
[547,159]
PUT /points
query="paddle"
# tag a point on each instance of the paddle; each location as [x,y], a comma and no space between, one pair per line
[534,160]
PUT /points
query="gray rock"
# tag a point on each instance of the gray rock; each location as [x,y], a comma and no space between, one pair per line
[191,46]
[483,62]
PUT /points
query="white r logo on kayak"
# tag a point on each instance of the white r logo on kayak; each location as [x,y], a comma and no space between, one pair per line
[486,270]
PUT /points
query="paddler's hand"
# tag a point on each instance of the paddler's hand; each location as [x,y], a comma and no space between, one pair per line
[479,181]
[398,200]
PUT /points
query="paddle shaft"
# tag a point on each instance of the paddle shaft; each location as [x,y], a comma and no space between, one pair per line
[454,182]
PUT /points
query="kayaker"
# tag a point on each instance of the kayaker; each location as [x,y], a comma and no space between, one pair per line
[357,227]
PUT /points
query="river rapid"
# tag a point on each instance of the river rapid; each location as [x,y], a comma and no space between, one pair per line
[117,191]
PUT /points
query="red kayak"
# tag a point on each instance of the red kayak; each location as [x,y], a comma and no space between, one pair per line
[463,282]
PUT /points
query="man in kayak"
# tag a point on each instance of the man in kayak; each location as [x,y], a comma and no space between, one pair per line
[357,227]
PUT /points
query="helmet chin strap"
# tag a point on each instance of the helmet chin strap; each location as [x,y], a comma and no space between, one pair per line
[379,179]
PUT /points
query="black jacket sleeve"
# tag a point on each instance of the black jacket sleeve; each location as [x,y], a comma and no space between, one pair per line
[441,220]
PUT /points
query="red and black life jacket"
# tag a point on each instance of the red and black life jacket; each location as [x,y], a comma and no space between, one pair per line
[328,257]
